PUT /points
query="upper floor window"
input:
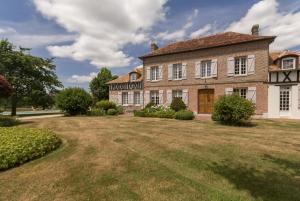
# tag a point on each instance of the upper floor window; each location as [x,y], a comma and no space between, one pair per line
[133,77]
[205,71]
[154,73]
[242,92]
[137,98]
[177,71]
[288,63]
[240,66]
[154,97]
[125,98]
[177,94]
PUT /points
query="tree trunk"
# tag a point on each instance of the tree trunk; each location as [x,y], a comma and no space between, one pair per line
[14,105]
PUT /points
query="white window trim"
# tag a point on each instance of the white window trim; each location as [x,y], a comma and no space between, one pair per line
[206,77]
[127,98]
[135,92]
[173,65]
[157,74]
[133,75]
[240,67]
[288,58]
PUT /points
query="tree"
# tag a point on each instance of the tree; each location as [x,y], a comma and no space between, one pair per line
[26,73]
[98,85]
[5,88]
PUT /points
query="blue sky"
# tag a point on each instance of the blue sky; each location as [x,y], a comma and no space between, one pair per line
[87,36]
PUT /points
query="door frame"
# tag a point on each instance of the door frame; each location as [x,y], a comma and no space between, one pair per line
[198,97]
[289,112]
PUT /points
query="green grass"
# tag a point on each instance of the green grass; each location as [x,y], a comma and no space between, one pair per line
[126,158]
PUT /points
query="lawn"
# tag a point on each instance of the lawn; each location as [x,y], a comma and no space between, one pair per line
[127,158]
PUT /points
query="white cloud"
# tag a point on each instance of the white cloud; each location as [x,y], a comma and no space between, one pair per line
[33,40]
[266,13]
[202,31]
[179,34]
[81,79]
[104,27]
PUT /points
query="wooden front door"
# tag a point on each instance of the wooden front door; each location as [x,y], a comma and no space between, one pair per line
[206,101]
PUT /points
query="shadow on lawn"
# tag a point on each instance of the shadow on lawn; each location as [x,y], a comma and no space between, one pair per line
[268,185]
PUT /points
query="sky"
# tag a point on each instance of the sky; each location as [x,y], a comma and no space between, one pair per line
[87,35]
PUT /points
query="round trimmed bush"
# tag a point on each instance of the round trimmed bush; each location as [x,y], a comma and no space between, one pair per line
[112,112]
[184,115]
[177,104]
[74,101]
[19,145]
[120,109]
[233,109]
[106,105]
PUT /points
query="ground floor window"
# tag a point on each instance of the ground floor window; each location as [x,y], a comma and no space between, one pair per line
[124,98]
[154,97]
[285,95]
[241,92]
[137,98]
[177,94]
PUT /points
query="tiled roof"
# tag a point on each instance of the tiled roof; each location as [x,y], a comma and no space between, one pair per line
[222,39]
[278,55]
[126,78]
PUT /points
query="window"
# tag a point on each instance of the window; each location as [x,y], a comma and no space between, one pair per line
[177,71]
[242,92]
[136,98]
[285,99]
[288,63]
[154,97]
[240,67]
[177,94]
[205,69]
[125,98]
[154,73]
[133,77]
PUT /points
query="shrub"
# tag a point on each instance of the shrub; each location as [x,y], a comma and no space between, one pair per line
[8,121]
[177,104]
[112,112]
[96,112]
[19,145]
[106,105]
[150,104]
[184,115]
[233,109]
[155,111]
[74,101]
[120,109]
[139,113]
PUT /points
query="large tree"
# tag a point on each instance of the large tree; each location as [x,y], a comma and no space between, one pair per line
[26,73]
[5,88]
[98,85]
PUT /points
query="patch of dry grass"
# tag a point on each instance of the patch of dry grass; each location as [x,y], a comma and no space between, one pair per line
[127,158]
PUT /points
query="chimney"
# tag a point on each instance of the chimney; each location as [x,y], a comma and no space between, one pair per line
[153,46]
[255,30]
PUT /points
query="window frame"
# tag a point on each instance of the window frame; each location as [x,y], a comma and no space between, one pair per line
[240,91]
[154,97]
[136,96]
[133,75]
[154,73]
[239,65]
[125,100]
[288,58]
[177,94]
[177,71]
[204,65]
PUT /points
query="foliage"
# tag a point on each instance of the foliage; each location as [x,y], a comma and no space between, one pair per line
[19,145]
[112,112]
[25,72]
[184,115]
[40,98]
[150,104]
[120,109]
[96,112]
[233,109]
[74,101]
[8,121]
[155,111]
[106,105]
[98,85]
[5,88]
[177,104]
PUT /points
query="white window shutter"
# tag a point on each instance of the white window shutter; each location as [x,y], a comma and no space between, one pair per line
[120,98]
[160,71]
[161,97]
[169,97]
[170,71]
[130,98]
[228,91]
[148,73]
[197,69]
[230,66]
[251,95]
[184,67]
[185,96]
[147,97]
[214,68]
[251,64]
[141,97]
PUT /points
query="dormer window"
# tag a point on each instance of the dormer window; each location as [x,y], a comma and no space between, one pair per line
[288,63]
[133,77]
